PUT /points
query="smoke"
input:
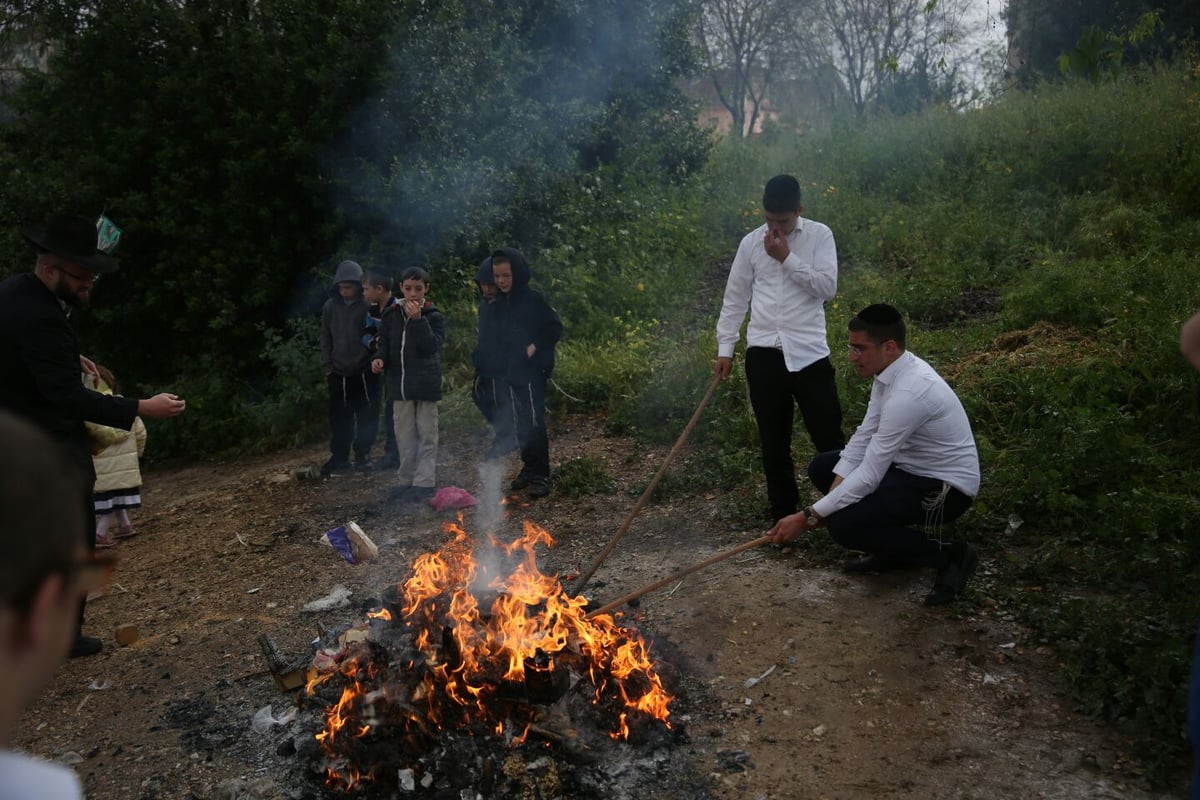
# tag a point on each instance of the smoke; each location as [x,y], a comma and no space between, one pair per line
[482,117]
[490,511]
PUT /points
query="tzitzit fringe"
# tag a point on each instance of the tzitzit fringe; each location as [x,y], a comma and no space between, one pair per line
[935,513]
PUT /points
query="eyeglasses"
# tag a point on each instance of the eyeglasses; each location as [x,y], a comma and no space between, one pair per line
[92,278]
[859,349]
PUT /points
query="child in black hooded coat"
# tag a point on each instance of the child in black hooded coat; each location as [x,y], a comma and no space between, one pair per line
[525,330]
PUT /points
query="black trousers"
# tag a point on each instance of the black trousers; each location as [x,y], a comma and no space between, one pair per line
[381,401]
[774,392]
[89,536]
[879,523]
[521,419]
[353,414]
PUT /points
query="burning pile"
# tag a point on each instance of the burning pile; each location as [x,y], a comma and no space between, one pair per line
[477,647]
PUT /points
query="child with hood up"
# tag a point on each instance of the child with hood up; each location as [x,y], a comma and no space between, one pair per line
[485,357]
[526,331]
[347,364]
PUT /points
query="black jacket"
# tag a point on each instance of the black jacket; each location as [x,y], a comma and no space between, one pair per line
[39,365]
[486,356]
[518,319]
[411,350]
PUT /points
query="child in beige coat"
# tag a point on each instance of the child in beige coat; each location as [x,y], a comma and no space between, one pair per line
[118,474]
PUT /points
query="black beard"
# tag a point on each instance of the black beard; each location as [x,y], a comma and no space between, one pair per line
[63,292]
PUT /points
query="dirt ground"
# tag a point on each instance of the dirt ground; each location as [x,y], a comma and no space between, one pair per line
[872,695]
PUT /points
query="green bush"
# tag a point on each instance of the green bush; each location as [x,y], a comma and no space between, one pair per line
[584,476]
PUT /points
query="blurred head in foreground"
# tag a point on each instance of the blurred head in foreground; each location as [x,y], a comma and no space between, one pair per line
[46,569]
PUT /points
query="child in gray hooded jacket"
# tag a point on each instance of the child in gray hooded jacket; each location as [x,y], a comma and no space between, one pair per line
[347,364]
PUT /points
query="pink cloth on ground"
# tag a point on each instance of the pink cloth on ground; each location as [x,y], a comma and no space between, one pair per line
[451,497]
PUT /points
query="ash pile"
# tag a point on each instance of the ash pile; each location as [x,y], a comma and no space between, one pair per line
[478,677]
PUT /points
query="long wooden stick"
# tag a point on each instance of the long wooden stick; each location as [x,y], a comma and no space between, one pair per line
[583,579]
[695,567]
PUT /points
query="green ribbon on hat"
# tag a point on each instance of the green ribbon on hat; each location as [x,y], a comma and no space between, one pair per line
[107,235]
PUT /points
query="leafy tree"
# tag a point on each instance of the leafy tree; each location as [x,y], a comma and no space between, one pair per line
[1093,36]
[244,146]
[485,121]
[195,125]
[742,43]
[885,52]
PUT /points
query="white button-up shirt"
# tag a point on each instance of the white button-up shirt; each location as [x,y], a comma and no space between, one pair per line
[914,421]
[786,299]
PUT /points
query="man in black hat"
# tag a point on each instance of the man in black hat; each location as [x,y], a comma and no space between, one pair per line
[40,360]
[911,462]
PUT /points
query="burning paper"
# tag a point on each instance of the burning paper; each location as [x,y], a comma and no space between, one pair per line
[483,640]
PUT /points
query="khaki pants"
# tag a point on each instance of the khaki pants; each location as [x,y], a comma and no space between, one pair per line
[416,441]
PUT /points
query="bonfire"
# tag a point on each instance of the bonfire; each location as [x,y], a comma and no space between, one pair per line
[480,643]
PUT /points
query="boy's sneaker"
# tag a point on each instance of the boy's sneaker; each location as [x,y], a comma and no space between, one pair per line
[538,487]
[333,466]
[420,494]
[389,461]
[362,464]
[519,482]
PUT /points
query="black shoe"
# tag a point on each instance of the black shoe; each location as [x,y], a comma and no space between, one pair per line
[952,578]
[362,464]
[519,482]
[389,461]
[538,487]
[420,494]
[85,646]
[333,466]
[870,563]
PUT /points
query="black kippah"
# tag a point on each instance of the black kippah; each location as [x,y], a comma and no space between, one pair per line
[879,314]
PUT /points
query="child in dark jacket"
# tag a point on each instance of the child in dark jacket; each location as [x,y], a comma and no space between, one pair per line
[347,363]
[489,368]
[377,289]
[410,355]
[526,331]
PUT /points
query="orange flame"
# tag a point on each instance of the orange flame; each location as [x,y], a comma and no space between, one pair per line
[470,652]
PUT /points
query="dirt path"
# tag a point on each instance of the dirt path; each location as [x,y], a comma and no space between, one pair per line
[871,696]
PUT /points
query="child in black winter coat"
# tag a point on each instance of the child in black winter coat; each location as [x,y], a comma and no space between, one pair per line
[410,355]
[521,331]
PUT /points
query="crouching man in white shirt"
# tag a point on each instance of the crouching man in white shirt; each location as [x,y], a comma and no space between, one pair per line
[911,466]
[45,574]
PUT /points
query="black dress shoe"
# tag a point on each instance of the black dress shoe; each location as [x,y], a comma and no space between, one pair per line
[870,563]
[334,466]
[85,646]
[952,578]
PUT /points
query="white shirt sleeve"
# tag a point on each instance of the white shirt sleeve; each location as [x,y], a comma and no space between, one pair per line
[902,414]
[738,289]
[855,449]
[818,276]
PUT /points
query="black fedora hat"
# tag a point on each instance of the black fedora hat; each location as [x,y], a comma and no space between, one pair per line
[74,238]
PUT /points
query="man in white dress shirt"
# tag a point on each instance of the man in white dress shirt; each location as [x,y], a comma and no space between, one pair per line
[912,462]
[784,272]
[44,575]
